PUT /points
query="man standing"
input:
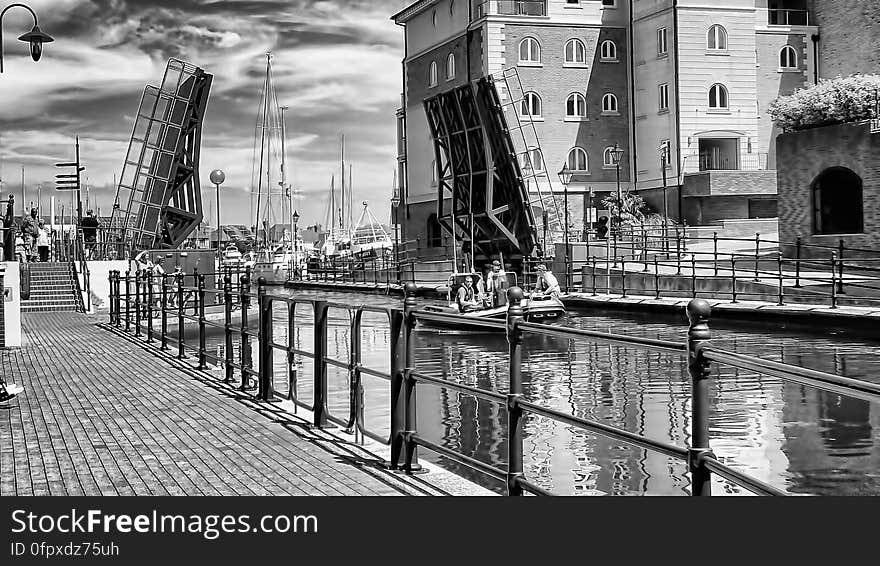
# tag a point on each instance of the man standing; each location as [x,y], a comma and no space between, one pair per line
[29,231]
[89,227]
[43,242]
[496,284]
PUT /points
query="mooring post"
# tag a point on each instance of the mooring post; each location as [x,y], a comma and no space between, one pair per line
[164,347]
[229,355]
[515,393]
[181,335]
[699,335]
[410,304]
[203,353]
[137,303]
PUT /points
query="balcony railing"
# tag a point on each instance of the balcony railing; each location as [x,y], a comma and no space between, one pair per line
[512,8]
[746,162]
[788,17]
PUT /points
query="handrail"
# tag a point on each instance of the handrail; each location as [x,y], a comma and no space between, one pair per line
[404,376]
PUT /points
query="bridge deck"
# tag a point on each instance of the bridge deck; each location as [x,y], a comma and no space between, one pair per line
[101,415]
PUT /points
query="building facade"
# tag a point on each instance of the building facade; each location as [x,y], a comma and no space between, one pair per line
[685,83]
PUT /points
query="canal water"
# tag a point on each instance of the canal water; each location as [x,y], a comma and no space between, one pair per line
[797,438]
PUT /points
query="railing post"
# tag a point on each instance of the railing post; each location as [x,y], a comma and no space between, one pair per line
[833,280]
[411,458]
[699,335]
[757,256]
[694,277]
[112,296]
[291,359]
[398,324]
[267,369]
[227,329]
[244,301]
[181,334]
[623,277]
[645,248]
[149,310]
[797,269]
[164,347]
[320,371]
[678,251]
[733,276]
[656,279]
[137,303]
[128,300]
[781,282]
[594,276]
[515,393]
[840,289]
[118,299]
[203,353]
[715,252]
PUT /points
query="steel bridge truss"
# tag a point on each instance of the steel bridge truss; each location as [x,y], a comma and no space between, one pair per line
[158,201]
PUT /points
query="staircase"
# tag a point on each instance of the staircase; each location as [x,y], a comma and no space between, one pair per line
[53,289]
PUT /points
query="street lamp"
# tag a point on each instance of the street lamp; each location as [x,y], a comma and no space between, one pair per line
[565,177]
[36,37]
[616,157]
[664,157]
[295,271]
[218,177]
[395,203]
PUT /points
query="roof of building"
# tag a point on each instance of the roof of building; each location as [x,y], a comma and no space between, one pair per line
[412,10]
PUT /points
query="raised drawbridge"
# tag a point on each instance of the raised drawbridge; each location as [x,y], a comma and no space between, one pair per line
[158,201]
[491,171]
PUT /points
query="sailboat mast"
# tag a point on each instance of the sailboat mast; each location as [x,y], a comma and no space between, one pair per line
[342,208]
[350,197]
[285,215]
[262,128]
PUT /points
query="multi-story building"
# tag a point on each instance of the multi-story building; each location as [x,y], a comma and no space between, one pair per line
[691,76]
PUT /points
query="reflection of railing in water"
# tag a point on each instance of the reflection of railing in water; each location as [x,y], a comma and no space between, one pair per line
[404,377]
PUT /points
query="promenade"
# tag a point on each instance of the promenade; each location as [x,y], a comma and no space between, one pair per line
[103,415]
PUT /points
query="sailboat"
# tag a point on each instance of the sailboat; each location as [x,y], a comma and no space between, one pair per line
[276,259]
[369,237]
[337,240]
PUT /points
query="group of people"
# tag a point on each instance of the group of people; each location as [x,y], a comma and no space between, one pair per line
[33,240]
[491,294]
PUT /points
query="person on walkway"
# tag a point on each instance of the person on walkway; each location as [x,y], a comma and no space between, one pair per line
[466,296]
[89,228]
[158,272]
[29,232]
[43,242]
[20,249]
[496,285]
[548,285]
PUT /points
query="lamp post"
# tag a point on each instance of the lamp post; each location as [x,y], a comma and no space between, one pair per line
[395,203]
[565,178]
[616,157]
[218,177]
[294,273]
[664,157]
[36,37]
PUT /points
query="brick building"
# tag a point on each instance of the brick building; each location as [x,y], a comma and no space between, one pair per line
[683,75]
[849,37]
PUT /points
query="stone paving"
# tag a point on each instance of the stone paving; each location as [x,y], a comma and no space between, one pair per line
[102,415]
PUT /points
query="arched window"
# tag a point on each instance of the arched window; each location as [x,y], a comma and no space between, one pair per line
[788,58]
[529,50]
[577,160]
[576,106]
[716,39]
[837,202]
[718,97]
[608,50]
[608,157]
[450,66]
[530,107]
[434,232]
[432,74]
[609,103]
[532,161]
[575,52]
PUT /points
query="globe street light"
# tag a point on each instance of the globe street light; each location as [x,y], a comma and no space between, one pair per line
[565,177]
[218,177]
[36,37]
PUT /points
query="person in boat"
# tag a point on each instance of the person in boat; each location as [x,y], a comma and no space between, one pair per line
[548,285]
[496,285]
[466,297]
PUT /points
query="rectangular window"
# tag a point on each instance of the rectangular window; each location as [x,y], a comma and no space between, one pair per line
[609,3]
[662,48]
[664,97]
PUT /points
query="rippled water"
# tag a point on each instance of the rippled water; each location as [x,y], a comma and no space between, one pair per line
[797,438]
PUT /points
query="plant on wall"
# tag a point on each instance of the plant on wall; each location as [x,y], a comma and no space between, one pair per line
[831,101]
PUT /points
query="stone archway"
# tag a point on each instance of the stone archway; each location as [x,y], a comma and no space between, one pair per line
[838,206]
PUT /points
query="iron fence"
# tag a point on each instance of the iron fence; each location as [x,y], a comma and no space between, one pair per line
[404,377]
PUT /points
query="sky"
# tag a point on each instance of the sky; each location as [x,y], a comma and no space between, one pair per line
[336,65]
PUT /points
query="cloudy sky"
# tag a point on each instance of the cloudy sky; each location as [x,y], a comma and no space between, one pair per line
[336,66]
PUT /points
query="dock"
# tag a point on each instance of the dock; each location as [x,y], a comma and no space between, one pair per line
[104,414]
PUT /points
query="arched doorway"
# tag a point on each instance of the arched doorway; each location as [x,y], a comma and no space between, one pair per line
[837,202]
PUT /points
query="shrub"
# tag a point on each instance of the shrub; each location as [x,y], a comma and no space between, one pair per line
[831,101]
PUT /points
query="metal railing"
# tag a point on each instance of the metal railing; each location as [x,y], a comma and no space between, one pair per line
[776,17]
[137,309]
[744,162]
[512,8]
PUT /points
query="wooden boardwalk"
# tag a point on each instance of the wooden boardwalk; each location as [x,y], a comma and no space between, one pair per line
[102,415]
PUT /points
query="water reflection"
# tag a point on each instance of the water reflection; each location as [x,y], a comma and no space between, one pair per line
[797,438]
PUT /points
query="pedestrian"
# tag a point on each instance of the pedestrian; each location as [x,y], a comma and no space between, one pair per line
[43,242]
[29,233]
[158,272]
[89,226]
[20,249]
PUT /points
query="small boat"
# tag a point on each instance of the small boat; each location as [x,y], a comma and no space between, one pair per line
[536,307]
[274,266]
[232,257]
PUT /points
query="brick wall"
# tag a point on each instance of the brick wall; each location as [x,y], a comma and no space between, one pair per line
[727,183]
[803,156]
[850,36]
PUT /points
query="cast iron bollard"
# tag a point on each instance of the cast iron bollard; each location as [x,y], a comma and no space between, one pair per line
[733,277]
[797,269]
[149,308]
[398,399]
[320,373]
[227,329]
[137,303]
[699,335]
[245,337]
[411,458]
[181,337]
[267,371]
[203,352]
[515,393]
[128,300]
[781,283]
[164,347]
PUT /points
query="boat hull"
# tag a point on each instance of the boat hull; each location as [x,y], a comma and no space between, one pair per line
[539,310]
[273,274]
